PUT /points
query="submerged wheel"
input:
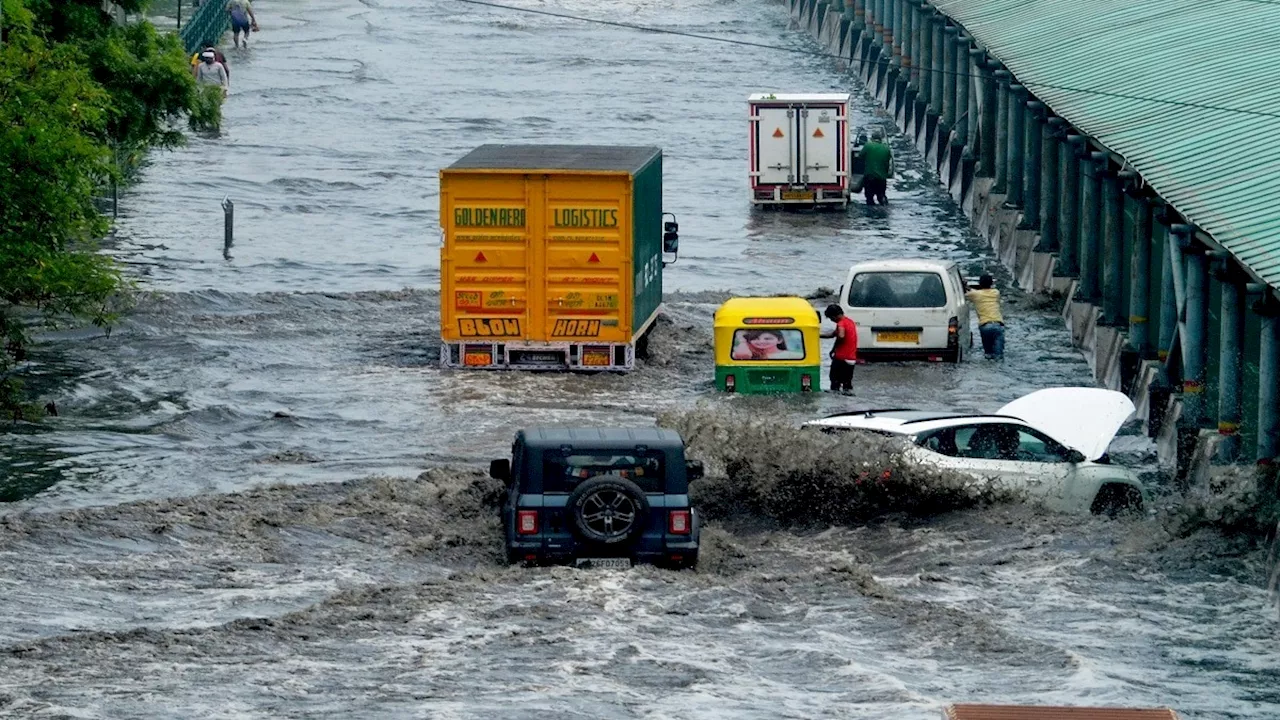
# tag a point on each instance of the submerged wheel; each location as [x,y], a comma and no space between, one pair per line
[608,510]
[1116,499]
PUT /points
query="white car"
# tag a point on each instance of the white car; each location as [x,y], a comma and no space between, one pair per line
[908,309]
[1052,444]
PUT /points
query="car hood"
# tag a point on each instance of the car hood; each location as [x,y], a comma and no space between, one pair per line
[1084,419]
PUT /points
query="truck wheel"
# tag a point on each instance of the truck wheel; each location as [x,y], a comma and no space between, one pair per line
[608,510]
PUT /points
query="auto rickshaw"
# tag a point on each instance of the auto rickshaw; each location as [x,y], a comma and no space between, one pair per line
[767,345]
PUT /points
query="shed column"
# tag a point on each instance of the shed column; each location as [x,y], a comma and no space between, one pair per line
[1069,208]
[1269,380]
[1230,359]
[972,62]
[924,37]
[1001,185]
[1050,183]
[1195,346]
[1034,112]
[1017,113]
[987,126]
[1168,289]
[949,76]
[1113,301]
[1090,243]
[939,61]
[1139,340]
[964,120]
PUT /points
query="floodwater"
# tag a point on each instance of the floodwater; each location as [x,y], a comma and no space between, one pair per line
[230,516]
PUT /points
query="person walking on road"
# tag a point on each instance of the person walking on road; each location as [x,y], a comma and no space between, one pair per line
[217,56]
[845,351]
[210,72]
[242,20]
[877,159]
[986,301]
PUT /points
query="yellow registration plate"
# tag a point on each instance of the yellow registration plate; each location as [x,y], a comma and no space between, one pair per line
[595,358]
[901,336]
[476,358]
[797,194]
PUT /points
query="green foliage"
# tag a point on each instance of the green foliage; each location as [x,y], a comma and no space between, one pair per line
[77,93]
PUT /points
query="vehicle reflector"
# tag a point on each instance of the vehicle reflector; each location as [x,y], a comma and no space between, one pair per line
[728,383]
[679,522]
[595,356]
[806,383]
[527,522]
[482,355]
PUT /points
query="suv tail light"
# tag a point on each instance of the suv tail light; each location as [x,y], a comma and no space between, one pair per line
[806,382]
[526,522]
[679,522]
[729,383]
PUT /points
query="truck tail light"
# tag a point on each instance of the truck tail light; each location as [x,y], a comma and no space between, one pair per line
[679,522]
[729,383]
[806,382]
[527,522]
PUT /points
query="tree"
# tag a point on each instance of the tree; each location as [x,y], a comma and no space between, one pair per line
[75,90]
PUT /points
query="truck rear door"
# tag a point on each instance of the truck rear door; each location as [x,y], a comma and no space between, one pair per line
[776,149]
[821,131]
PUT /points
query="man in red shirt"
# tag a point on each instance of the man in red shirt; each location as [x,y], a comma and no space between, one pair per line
[845,352]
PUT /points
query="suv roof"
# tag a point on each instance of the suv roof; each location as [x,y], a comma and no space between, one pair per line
[600,438]
[903,264]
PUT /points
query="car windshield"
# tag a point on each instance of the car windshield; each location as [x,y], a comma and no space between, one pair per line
[562,474]
[897,290]
[767,344]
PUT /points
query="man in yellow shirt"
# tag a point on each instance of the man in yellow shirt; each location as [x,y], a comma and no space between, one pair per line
[986,301]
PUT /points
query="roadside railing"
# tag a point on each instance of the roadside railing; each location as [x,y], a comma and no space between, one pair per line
[208,22]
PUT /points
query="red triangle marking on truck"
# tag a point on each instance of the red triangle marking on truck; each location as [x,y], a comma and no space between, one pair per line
[818,133]
[594,258]
[481,258]
[777,132]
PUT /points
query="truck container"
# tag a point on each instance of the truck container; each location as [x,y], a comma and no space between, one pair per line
[552,256]
[1037,712]
[800,150]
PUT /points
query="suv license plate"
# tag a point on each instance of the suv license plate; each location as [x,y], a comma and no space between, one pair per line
[605,563]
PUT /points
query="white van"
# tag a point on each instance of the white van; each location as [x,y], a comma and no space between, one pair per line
[908,309]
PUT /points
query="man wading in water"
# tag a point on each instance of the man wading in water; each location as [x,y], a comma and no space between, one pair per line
[877,163]
[845,351]
[242,21]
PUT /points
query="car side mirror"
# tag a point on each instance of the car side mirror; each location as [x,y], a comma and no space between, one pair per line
[1075,457]
[693,469]
[500,469]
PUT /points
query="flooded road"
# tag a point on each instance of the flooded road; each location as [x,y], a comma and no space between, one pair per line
[146,561]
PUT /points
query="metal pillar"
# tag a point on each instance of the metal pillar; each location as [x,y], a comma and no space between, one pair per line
[1017,113]
[1069,208]
[1034,112]
[1090,245]
[987,123]
[1112,230]
[1195,345]
[924,33]
[1230,361]
[1001,123]
[1168,293]
[949,76]
[1269,381]
[1140,281]
[1050,187]
[964,99]
[939,56]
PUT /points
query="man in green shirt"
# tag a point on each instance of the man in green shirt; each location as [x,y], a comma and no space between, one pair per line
[877,159]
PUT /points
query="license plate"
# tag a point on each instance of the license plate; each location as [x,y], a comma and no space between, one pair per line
[537,358]
[605,563]
[477,359]
[595,359]
[797,194]
[899,337]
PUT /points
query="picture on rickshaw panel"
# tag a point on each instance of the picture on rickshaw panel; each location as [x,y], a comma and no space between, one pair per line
[768,345]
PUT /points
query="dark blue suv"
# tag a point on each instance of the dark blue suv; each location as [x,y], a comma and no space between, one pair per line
[599,497]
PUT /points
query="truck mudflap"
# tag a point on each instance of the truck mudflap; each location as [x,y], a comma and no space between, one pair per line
[539,356]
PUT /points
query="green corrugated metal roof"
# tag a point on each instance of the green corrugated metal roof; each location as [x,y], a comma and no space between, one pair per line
[1219,168]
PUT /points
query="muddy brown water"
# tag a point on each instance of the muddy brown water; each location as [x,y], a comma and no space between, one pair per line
[262,496]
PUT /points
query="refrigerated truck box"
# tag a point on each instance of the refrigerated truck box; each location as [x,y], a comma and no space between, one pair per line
[799,149]
[551,256]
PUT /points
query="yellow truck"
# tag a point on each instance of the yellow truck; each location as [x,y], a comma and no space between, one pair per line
[552,256]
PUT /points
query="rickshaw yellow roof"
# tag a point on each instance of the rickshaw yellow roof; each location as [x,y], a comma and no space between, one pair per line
[736,310]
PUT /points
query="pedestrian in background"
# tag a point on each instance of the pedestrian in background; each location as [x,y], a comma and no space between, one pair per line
[986,301]
[242,21]
[844,354]
[217,57]
[210,72]
[877,164]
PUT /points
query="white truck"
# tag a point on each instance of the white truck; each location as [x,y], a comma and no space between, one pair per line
[801,150]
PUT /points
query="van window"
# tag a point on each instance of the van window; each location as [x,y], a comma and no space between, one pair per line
[563,473]
[897,290]
[767,344]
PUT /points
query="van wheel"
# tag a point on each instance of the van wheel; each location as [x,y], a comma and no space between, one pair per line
[1116,499]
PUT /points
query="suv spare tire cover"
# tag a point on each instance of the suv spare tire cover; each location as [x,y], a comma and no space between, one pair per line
[608,509]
